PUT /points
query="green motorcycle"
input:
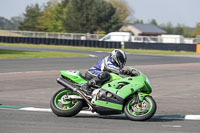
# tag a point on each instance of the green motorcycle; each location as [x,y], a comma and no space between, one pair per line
[121,94]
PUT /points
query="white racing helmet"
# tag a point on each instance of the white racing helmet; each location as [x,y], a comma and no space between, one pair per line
[119,57]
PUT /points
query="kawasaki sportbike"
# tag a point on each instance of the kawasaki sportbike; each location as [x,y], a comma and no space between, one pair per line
[121,94]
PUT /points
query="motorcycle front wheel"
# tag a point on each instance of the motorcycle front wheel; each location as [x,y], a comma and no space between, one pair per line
[63,107]
[141,112]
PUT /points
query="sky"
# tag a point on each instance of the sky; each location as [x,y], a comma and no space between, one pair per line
[175,11]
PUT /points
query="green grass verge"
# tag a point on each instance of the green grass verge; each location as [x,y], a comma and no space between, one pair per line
[135,51]
[14,54]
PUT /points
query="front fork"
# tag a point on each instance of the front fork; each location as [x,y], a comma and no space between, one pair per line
[139,98]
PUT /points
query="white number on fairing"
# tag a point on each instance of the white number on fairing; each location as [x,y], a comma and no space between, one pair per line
[71,72]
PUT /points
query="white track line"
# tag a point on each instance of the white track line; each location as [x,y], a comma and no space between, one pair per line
[28,72]
[36,109]
[91,55]
[49,110]
[192,117]
[85,112]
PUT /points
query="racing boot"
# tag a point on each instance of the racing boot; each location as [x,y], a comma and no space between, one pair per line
[86,87]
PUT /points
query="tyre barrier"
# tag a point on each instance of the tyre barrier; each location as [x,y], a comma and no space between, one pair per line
[103,44]
[53,41]
[161,46]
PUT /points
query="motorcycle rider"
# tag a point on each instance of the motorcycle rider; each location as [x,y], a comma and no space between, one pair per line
[99,73]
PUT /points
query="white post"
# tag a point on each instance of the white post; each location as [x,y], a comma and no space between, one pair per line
[122,44]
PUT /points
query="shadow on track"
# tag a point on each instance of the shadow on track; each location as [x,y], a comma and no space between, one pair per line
[124,118]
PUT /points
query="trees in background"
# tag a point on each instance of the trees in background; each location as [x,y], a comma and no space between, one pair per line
[170,29]
[72,16]
[30,22]
[153,21]
[12,24]
[5,23]
[83,16]
[197,30]
[90,16]
[138,21]
[51,18]
[15,22]
[177,30]
[122,9]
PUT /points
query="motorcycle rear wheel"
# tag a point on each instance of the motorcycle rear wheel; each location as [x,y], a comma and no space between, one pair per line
[69,108]
[145,112]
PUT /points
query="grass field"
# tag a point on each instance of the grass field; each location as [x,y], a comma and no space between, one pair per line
[15,54]
[135,51]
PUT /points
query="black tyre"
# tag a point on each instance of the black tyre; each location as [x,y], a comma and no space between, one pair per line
[65,108]
[136,113]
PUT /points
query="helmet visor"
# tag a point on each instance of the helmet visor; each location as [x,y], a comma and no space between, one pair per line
[121,60]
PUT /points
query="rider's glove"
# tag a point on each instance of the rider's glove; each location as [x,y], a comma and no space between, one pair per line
[126,72]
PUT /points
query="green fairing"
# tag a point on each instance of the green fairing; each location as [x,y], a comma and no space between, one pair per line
[126,91]
[108,104]
[134,86]
[147,88]
[114,77]
[74,76]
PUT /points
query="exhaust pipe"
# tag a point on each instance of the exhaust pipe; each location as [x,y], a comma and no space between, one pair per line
[64,83]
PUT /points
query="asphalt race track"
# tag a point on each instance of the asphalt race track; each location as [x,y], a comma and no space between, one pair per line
[31,83]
